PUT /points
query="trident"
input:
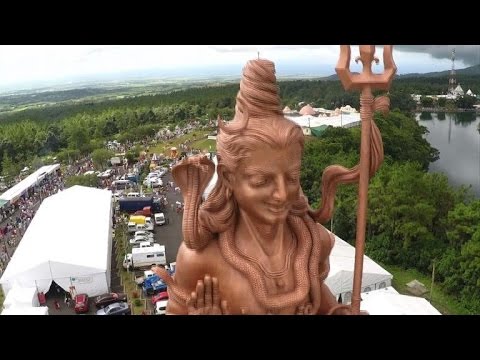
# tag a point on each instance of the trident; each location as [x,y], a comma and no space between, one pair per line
[366,81]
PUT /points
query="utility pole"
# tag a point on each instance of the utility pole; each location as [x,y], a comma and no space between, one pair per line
[433,280]
[452,81]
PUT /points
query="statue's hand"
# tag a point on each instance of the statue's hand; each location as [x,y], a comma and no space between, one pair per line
[206,299]
[345,310]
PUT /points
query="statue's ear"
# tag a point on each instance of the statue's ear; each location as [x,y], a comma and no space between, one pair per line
[226,176]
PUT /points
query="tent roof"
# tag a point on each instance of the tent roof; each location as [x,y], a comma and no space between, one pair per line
[386,302]
[307,110]
[342,263]
[19,296]
[39,310]
[71,227]
[340,120]
[17,190]
[318,130]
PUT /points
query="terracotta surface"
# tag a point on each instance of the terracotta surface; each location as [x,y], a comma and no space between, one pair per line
[371,147]
[254,246]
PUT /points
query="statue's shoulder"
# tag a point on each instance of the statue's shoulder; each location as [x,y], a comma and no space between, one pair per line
[327,240]
[194,264]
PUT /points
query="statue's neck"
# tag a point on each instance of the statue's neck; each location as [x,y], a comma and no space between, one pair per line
[270,239]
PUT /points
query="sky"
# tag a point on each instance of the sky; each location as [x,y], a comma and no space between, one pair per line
[29,66]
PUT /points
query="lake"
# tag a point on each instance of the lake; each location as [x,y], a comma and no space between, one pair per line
[457,138]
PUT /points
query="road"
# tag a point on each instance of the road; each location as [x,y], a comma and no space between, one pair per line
[170,235]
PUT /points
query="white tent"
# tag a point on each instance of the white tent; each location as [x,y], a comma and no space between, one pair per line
[388,302]
[21,297]
[31,180]
[39,310]
[69,241]
[342,120]
[340,277]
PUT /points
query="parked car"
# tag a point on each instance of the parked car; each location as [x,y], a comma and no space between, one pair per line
[144,233]
[146,274]
[161,307]
[109,298]
[159,219]
[140,238]
[81,303]
[160,296]
[117,308]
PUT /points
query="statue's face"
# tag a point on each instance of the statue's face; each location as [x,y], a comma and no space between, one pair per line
[267,183]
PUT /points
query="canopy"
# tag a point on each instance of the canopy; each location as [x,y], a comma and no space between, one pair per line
[318,130]
[68,241]
[340,278]
[342,120]
[21,297]
[40,310]
[31,180]
[3,202]
[388,302]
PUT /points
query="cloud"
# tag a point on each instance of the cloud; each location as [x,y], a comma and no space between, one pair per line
[250,48]
[232,49]
[469,54]
[102,49]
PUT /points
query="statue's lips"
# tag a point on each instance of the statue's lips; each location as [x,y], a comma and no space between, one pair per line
[276,209]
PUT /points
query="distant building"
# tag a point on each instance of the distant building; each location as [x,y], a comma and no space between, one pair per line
[307,110]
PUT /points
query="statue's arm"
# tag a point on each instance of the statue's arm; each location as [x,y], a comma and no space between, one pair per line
[193,290]
[328,300]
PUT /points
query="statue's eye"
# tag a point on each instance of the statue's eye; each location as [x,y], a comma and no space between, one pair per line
[258,181]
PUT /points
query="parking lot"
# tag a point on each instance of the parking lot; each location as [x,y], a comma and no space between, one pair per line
[170,234]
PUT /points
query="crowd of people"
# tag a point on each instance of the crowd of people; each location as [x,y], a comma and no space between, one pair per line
[15,218]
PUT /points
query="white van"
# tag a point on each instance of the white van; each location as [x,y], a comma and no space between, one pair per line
[145,257]
[161,307]
[142,244]
[159,219]
[131,227]
[139,239]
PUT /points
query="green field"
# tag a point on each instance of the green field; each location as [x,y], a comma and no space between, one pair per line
[443,302]
[194,137]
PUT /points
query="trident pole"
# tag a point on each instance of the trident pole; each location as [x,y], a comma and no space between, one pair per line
[365,81]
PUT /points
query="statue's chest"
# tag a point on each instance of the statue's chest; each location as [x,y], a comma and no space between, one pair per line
[243,300]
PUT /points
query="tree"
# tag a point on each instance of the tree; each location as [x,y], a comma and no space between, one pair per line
[100,157]
[10,169]
[466,102]
[441,102]
[37,163]
[83,180]
[426,101]
[463,222]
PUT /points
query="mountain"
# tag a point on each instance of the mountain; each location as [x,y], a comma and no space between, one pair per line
[469,71]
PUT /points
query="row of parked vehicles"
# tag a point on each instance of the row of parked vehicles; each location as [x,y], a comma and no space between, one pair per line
[153,285]
[107,304]
[146,213]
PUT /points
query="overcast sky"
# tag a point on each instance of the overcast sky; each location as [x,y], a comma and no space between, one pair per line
[21,65]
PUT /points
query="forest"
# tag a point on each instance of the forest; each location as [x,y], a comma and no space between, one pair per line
[416,219]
